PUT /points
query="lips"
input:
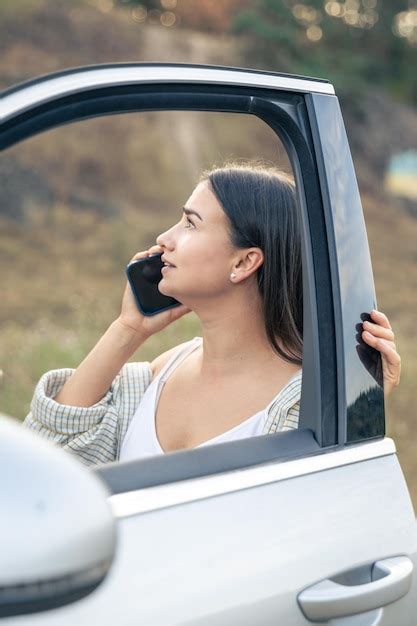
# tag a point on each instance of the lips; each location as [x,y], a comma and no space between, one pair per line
[166,262]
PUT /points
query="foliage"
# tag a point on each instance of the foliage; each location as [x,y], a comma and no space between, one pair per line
[353,43]
[308,39]
[207,15]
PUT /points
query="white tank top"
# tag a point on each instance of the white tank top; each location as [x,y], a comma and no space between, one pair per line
[141,440]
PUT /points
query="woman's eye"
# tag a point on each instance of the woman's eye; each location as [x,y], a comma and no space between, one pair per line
[189,222]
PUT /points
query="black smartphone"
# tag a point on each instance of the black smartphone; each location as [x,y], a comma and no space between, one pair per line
[144,276]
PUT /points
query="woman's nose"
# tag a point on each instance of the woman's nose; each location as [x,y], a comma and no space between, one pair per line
[165,239]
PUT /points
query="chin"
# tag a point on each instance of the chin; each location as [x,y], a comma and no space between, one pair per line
[172,293]
[162,289]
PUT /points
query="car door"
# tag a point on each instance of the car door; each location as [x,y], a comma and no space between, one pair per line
[310,525]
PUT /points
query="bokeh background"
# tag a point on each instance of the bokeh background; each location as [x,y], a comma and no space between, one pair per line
[77,202]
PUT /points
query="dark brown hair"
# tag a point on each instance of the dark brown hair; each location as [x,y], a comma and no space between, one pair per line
[260,203]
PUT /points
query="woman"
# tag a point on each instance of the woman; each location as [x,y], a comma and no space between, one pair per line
[236,263]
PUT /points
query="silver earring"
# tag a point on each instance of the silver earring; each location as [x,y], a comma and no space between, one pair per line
[232,275]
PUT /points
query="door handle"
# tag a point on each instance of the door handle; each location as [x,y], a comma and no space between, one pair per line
[391,580]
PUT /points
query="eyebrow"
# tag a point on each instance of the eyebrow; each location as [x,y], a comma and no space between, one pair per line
[191,212]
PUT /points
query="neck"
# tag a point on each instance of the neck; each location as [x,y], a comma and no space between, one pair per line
[234,336]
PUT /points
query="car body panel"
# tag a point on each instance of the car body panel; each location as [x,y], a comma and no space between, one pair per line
[244,557]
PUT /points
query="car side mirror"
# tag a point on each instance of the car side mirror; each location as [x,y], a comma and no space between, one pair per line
[57,531]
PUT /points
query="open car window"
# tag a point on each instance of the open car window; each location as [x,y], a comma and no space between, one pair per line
[72,180]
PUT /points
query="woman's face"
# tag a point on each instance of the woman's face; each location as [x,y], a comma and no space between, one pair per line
[199,248]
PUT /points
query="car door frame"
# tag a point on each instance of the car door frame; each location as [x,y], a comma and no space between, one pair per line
[305,114]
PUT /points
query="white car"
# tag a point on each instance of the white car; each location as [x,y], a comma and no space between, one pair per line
[311,525]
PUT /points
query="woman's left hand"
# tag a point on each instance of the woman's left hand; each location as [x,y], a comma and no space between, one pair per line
[379,335]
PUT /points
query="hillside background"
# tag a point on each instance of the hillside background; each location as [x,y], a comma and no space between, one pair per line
[77,202]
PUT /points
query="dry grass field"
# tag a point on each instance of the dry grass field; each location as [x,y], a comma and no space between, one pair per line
[79,201]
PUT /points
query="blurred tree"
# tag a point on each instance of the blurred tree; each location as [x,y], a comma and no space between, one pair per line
[215,16]
[350,42]
[206,15]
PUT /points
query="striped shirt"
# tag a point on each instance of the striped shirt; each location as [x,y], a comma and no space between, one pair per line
[95,433]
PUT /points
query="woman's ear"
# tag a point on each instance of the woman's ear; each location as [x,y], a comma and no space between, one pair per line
[250,260]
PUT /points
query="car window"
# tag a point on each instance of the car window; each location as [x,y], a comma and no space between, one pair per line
[77,211]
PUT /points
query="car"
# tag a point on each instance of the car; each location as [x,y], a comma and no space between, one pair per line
[310,525]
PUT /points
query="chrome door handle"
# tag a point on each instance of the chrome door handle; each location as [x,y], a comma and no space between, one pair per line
[328,599]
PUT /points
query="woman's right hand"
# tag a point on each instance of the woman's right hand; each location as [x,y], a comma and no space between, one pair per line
[132,318]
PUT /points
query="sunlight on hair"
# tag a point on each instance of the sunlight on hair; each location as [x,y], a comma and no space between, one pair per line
[259,165]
